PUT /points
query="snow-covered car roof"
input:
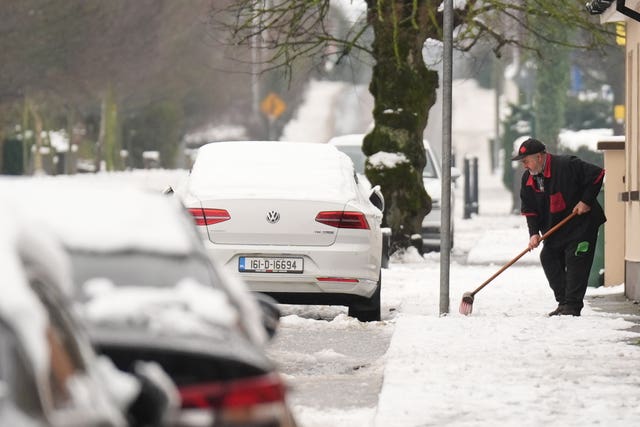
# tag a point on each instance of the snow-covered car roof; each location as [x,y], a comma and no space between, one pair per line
[251,169]
[84,215]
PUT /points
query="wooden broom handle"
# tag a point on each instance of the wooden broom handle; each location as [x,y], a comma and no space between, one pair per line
[521,254]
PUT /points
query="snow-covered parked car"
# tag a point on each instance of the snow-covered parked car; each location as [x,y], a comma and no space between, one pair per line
[49,373]
[292,220]
[148,291]
[351,145]
[432,179]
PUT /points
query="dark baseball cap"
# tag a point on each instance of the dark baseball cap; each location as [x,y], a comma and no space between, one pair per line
[528,147]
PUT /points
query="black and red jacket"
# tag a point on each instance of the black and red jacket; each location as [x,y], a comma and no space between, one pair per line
[567,181]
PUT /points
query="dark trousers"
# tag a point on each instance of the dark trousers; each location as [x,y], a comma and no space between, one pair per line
[567,268]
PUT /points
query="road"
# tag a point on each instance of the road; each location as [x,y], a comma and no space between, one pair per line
[331,361]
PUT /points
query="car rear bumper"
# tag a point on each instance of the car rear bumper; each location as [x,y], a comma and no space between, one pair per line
[330,273]
[314,298]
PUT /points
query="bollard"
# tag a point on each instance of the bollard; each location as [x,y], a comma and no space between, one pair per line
[470,187]
[474,200]
[467,189]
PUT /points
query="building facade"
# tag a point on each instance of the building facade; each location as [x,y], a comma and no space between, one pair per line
[626,193]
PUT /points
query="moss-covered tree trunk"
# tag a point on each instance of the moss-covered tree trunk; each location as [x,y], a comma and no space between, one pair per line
[404,90]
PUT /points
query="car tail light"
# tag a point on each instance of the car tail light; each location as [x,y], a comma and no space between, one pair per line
[232,394]
[256,401]
[205,216]
[343,219]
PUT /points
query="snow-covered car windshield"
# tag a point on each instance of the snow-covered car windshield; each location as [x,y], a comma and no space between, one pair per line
[355,154]
[429,170]
[138,269]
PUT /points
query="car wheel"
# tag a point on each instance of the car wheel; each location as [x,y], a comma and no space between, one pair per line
[369,311]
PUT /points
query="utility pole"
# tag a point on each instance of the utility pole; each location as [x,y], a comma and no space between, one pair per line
[445,218]
[255,71]
[495,153]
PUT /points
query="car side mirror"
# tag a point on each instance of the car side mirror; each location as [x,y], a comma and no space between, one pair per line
[376,198]
[270,313]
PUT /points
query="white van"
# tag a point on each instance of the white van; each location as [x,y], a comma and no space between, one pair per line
[351,145]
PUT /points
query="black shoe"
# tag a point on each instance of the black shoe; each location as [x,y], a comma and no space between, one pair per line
[557,311]
[568,310]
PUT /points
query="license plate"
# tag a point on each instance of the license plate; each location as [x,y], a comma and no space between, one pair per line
[270,264]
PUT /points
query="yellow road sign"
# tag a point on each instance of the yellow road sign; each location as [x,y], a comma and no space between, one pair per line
[618,113]
[273,106]
[621,33]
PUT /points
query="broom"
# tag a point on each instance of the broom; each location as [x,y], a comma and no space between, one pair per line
[466,305]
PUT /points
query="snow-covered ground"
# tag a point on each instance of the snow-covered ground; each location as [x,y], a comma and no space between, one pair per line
[507,363]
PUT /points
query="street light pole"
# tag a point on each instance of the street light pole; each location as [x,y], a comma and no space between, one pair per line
[445,218]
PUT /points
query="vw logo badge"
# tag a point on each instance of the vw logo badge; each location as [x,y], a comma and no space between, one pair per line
[273,217]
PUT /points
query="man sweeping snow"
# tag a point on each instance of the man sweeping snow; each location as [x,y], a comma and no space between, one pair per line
[554,186]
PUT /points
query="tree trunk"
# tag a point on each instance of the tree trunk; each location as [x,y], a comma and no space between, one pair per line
[403,90]
[101,134]
[108,145]
[38,168]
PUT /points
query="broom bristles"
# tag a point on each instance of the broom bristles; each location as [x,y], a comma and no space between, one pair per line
[465,308]
[466,305]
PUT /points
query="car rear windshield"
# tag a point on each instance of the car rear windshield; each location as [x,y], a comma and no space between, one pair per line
[140,269]
[355,154]
[430,170]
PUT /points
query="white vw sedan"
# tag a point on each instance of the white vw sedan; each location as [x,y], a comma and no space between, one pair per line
[292,219]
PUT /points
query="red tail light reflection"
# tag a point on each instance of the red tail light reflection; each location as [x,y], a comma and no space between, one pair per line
[337,279]
[205,216]
[343,219]
[234,394]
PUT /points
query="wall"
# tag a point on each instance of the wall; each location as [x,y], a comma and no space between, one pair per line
[614,238]
[632,155]
[629,196]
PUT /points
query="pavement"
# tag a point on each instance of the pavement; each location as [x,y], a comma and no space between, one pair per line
[492,204]
[617,304]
